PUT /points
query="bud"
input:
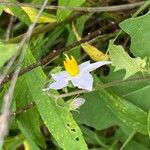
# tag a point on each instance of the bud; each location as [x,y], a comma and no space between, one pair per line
[76,103]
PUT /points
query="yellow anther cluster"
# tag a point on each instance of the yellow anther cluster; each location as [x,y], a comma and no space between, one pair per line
[71,66]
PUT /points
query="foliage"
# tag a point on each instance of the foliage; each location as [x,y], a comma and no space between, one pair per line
[138,27]
[115,114]
[121,60]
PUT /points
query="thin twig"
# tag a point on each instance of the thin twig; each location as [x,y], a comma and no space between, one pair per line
[9,28]
[73,8]
[24,109]
[4,118]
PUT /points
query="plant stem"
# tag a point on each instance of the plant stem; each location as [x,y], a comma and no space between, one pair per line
[74,8]
[128,140]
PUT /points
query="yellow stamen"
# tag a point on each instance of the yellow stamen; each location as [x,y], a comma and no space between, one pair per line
[71,66]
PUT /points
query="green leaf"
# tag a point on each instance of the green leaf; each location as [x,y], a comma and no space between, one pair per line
[148,123]
[121,60]
[131,115]
[1,9]
[134,144]
[44,18]
[18,12]
[6,52]
[59,121]
[92,137]
[63,14]
[29,120]
[95,114]
[12,143]
[28,136]
[136,92]
[139,30]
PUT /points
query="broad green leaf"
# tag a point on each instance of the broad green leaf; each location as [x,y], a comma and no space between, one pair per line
[63,14]
[91,50]
[33,145]
[59,121]
[136,91]
[29,120]
[139,30]
[131,115]
[44,18]
[121,60]
[93,138]
[6,52]
[95,114]
[148,123]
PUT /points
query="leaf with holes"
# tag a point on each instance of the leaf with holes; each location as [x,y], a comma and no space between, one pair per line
[59,121]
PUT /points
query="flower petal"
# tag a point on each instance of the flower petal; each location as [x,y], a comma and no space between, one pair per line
[60,75]
[83,65]
[61,80]
[95,65]
[59,84]
[84,81]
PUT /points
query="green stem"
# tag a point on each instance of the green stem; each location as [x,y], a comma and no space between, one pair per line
[101,142]
[128,140]
[144,6]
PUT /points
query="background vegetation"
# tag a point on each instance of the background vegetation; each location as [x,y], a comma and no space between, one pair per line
[35,35]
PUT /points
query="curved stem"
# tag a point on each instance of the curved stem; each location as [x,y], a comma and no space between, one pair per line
[128,140]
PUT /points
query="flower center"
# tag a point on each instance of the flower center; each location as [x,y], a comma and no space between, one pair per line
[71,66]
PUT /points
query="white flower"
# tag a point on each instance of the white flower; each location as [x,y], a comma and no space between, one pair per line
[79,75]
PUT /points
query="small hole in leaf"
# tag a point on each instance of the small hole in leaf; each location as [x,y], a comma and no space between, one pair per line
[73,130]
[68,125]
[77,139]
